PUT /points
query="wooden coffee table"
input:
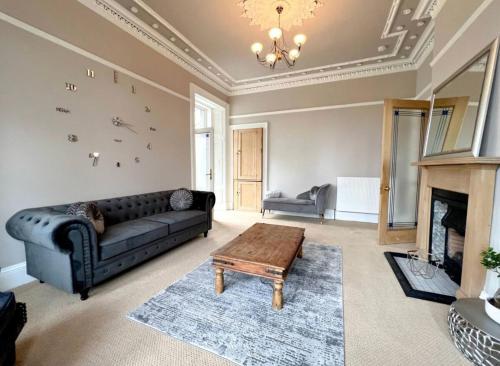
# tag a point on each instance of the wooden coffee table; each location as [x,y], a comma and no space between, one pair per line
[263,250]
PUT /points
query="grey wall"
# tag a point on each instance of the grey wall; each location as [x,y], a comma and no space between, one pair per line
[315,147]
[40,167]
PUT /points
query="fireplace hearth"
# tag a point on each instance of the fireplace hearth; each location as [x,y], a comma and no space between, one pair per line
[447,234]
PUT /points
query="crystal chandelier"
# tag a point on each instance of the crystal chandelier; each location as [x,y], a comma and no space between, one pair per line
[279,51]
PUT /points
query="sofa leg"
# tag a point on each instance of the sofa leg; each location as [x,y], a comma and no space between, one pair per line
[84,294]
[41,281]
[321,219]
[205,234]
[263,212]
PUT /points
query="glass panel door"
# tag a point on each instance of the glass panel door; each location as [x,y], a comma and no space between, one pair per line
[204,165]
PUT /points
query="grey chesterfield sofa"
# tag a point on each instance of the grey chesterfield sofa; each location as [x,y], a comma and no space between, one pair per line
[66,252]
[312,201]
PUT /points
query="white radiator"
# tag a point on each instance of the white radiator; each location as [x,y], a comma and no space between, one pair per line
[358,199]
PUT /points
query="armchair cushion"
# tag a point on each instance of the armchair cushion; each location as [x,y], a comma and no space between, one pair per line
[90,211]
[129,235]
[180,220]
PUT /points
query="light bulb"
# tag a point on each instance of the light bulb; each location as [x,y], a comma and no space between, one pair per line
[257,48]
[299,39]
[294,54]
[275,33]
[270,58]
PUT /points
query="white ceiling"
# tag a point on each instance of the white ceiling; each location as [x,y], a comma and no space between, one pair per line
[344,39]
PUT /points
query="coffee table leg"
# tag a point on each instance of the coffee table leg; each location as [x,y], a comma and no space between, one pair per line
[219,280]
[278,295]
[300,253]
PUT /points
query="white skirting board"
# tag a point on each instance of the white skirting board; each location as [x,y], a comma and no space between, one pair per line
[14,276]
[356,216]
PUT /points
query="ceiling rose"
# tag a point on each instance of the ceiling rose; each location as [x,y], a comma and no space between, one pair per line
[263,12]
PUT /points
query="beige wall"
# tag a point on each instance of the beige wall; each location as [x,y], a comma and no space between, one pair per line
[315,147]
[424,79]
[40,167]
[399,85]
[75,23]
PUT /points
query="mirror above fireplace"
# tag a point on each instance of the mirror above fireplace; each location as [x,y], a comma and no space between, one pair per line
[459,108]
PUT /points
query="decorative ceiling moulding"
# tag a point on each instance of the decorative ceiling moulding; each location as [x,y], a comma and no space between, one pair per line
[222,81]
[120,17]
[262,12]
[428,8]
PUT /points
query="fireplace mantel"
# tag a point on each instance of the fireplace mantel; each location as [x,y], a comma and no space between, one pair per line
[472,176]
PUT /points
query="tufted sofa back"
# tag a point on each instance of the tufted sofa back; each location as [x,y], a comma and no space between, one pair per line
[120,209]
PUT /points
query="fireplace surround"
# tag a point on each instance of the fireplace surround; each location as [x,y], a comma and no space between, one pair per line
[470,176]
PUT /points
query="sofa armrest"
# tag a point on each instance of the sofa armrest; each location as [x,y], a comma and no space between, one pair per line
[46,227]
[203,201]
[321,198]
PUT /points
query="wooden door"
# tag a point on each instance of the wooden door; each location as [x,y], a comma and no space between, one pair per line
[248,196]
[403,133]
[247,169]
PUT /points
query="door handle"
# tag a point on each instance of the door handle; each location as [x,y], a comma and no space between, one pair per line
[387,188]
[210,174]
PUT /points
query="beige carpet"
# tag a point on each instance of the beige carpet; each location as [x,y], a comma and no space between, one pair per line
[382,326]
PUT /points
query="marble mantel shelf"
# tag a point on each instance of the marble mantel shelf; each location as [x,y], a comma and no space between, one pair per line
[459,161]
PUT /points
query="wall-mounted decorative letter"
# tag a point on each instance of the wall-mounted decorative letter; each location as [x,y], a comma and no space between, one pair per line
[62,110]
[149,146]
[137,159]
[152,129]
[115,77]
[147,109]
[72,138]
[71,87]
[118,165]
[90,73]
[95,157]
[133,89]
[117,140]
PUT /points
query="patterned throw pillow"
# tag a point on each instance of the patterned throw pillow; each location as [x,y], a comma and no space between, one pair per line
[313,193]
[181,199]
[90,211]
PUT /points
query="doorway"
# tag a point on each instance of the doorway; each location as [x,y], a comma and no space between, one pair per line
[404,126]
[249,166]
[208,144]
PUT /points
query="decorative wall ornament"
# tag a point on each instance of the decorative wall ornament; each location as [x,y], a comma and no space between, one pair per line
[149,146]
[152,129]
[118,164]
[62,110]
[115,77]
[133,89]
[95,158]
[117,140]
[71,87]
[72,138]
[147,109]
[262,12]
[137,159]
[91,73]
[117,122]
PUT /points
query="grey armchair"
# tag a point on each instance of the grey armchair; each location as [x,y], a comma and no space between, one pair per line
[312,201]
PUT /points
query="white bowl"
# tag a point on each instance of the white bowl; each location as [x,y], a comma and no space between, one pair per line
[492,311]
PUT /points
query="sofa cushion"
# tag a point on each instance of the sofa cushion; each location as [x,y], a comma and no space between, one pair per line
[128,235]
[179,220]
[291,201]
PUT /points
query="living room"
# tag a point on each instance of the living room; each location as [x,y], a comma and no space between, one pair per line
[250,182]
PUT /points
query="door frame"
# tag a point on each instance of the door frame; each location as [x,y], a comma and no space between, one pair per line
[403,235]
[246,126]
[193,90]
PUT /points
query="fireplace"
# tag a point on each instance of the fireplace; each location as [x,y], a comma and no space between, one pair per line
[447,234]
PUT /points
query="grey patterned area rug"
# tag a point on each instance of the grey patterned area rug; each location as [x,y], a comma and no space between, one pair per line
[240,324]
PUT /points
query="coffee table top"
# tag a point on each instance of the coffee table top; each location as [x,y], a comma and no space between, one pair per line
[264,244]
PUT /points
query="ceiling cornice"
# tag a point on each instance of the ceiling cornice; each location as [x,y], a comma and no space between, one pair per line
[121,17]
